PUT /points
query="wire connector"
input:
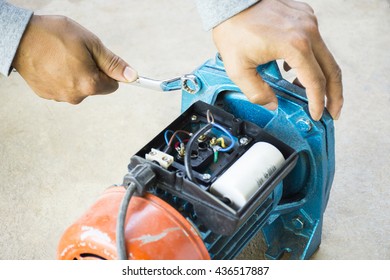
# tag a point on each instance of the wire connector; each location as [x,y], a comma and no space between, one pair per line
[162,158]
[142,176]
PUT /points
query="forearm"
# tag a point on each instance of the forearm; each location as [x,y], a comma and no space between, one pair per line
[13,22]
[213,12]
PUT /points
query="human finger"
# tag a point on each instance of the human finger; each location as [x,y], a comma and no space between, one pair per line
[332,72]
[111,64]
[312,79]
[91,81]
[252,85]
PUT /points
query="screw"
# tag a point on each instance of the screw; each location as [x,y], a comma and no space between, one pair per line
[166,159]
[298,222]
[244,141]
[152,153]
[304,125]
[206,176]
[202,138]
[213,141]
[194,118]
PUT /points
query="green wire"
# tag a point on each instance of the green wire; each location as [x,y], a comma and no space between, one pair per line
[215,156]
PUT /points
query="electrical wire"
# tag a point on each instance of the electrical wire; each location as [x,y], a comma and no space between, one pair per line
[195,136]
[222,141]
[228,134]
[166,136]
[178,143]
[189,146]
[120,224]
[210,119]
[215,156]
[174,135]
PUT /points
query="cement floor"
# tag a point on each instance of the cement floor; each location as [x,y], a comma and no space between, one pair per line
[56,159]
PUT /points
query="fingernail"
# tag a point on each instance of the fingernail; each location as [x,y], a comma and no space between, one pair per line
[316,117]
[130,75]
[272,106]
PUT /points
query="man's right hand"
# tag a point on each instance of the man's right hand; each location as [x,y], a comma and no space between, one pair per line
[63,61]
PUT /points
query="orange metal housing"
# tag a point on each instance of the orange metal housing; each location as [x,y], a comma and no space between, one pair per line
[154,231]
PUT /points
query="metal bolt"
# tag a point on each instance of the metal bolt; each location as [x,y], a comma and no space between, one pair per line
[206,176]
[304,125]
[244,141]
[202,138]
[190,83]
[298,223]
[152,153]
[194,118]
[213,141]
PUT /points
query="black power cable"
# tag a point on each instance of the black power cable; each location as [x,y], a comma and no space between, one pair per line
[139,179]
[189,146]
[120,224]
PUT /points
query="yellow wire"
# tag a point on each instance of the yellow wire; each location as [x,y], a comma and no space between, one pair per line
[222,141]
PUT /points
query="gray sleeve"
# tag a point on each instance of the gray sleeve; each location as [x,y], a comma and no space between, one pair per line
[13,22]
[213,12]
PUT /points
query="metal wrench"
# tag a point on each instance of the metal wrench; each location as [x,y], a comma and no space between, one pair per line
[188,82]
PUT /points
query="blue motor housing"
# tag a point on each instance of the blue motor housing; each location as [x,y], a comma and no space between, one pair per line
[293,224]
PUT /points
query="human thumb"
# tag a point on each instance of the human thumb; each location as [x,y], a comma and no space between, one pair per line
[114,66]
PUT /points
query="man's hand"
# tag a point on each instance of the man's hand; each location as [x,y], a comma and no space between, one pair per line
[61,60]
[280,29]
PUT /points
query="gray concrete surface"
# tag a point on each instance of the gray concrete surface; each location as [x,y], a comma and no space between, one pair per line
[56,159]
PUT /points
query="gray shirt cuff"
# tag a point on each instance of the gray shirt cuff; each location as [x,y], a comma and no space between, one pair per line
[213,12]
[13,22]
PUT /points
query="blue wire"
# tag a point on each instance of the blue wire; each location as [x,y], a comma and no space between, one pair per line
[166,136]
[228,134]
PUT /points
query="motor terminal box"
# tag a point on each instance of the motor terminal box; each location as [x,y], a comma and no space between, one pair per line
[223,167]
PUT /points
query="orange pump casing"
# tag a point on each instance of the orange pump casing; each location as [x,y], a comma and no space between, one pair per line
[154,230]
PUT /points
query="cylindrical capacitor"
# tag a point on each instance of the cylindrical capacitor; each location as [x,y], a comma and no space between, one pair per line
[248,174]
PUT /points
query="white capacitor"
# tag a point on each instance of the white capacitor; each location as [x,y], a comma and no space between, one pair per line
[248,174]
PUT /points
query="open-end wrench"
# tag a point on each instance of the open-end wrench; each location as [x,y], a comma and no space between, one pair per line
[187,82]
